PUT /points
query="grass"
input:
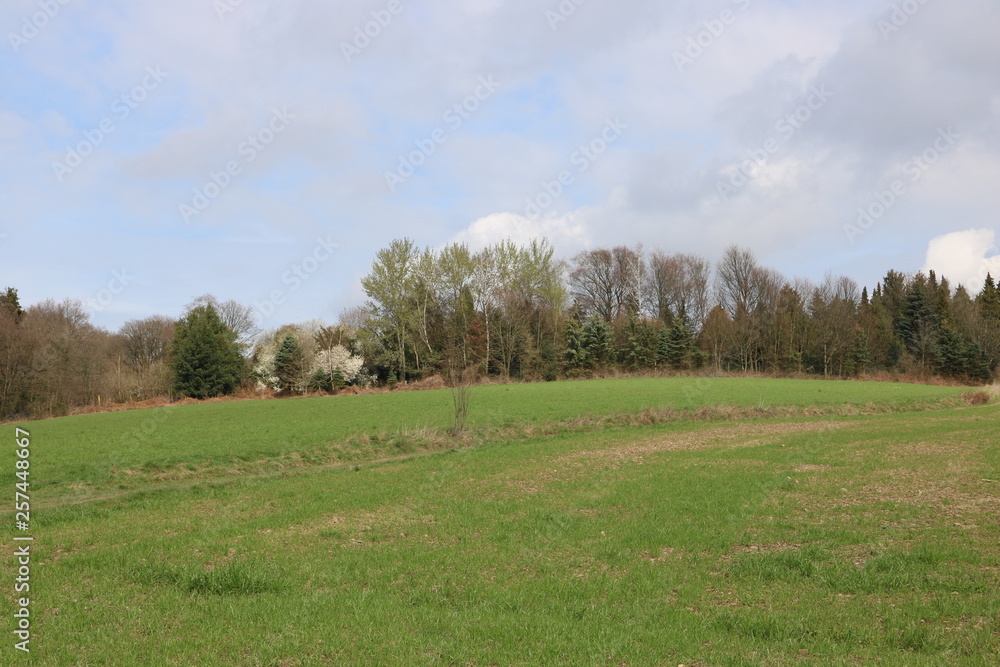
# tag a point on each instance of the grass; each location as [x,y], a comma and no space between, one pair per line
[88,454]
[826,539]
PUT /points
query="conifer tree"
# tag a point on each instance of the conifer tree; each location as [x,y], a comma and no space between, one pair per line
[989,300]
[206,357]
[289,361]
[678,344]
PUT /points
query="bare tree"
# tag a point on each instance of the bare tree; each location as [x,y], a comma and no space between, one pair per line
[353,320]
[457,271]
[735,284]
[750,294]
[834,307]
[17,351]
[71,357]
[678,287]
[608,283]
[145,342]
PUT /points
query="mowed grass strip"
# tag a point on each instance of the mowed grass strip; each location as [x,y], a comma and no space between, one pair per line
[82,457]
[828,540]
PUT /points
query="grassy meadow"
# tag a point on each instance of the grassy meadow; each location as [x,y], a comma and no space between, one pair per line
[618,522]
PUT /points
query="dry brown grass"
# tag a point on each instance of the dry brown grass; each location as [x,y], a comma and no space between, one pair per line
[723,437]
[977,397]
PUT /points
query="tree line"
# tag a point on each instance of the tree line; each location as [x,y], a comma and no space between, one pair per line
[517,312]
[514,312]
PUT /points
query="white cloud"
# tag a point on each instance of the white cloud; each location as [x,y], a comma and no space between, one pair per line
[565,232]
[964,257]
[657,186]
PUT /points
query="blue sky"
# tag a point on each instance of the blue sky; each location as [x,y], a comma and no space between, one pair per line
[254,107]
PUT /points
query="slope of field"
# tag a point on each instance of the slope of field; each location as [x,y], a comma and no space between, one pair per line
[827,539]
[84,454]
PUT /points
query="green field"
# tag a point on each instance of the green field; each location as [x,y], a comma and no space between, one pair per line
[622,522]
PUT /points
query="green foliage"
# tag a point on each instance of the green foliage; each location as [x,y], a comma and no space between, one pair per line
[639,347]
[329,382]
[575,354]
[960,357]
[502,310]
[589,344]
[289,361]
[862,357]
[10,304]
[676,344]
[989,300]
[393,307]
[917,320]
[205,356]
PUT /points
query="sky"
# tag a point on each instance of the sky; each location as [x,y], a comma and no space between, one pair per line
[264,151]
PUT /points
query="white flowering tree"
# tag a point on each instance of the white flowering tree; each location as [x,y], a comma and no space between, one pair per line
[328,362]
[338,358]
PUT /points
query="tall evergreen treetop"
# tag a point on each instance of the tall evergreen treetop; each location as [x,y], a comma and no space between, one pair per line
[989,300]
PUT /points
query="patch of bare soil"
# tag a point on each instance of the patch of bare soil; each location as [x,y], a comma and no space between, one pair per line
[725,437]
[533,480]
[941,479]
[808,467]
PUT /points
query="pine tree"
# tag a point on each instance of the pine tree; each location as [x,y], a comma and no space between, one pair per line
[663,346]
[576,355]
[918,325]
[989,300]
[10,303]
[862,356]
[960,357]
[288,363]
[893,295]
[678,344]
[598,341]
[940,302]
[206,357]
[639,348]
